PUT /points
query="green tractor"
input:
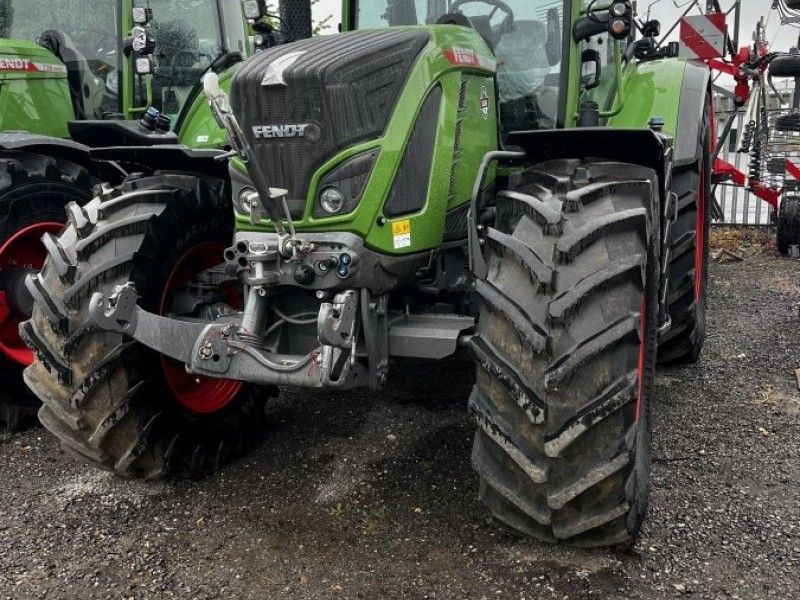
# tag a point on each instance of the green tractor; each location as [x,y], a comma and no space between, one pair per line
[523,180]
[76,77]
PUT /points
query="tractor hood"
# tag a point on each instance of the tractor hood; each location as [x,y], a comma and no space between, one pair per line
[376,133]
[302,103]
[21,59]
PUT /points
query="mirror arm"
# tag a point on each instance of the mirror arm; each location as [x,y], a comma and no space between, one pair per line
[619,98]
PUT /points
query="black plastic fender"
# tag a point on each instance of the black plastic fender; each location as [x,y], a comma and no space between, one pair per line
[79,154]
[169,157]
[636,146]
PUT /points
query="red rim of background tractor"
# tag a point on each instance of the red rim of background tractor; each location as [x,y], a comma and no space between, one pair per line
[24,248]
[198,394]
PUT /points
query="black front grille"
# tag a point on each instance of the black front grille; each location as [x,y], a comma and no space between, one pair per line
[344,87]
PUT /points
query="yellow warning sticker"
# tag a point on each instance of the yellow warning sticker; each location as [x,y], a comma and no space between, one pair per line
[401,232]
[401,227]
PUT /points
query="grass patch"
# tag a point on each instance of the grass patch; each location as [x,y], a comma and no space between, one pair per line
[744,241]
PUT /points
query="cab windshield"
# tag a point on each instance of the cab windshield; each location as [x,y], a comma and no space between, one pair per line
[523,34]
[188,37]
[83,35]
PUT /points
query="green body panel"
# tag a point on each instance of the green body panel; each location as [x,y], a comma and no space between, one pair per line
[34,95]
[25,49]
[479,136]
[572,95]
[200,129]
[651,89]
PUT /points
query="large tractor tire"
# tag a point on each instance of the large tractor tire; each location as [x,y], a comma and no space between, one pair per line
[787,65]
[565,351]
[111,400]
[687,292]
[788,224]
[34,191]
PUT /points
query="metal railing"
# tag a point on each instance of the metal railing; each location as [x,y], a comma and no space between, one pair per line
[739,206]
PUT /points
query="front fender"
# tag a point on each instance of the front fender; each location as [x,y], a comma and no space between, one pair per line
[674,89]
[74,152]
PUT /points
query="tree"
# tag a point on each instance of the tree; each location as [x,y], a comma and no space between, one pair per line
[320,25]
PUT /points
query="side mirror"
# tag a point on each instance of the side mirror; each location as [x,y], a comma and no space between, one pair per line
[651,29]
[552,46]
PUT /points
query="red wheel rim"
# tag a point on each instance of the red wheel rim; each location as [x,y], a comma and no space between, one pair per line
[196,393]
[700,229]
[23,249]
[700,224]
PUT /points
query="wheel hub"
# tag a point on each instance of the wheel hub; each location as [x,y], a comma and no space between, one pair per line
[21,254]
[196,393]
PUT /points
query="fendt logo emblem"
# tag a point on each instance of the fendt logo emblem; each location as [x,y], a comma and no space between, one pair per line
[271,132]
[23,64]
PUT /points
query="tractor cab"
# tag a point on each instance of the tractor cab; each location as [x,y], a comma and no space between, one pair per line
[83,36]
[524,36]
[188,39]
[123,57]
[535,46]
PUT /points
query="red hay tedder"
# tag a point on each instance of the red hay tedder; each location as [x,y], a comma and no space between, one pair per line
[774,166]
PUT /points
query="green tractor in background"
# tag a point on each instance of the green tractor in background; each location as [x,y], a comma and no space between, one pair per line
[81,80]
[524,180]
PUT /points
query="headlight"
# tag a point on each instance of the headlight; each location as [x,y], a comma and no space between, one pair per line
[141,15]
[332,200]
[245,204]
[341,189]
[252,9]
[143,65]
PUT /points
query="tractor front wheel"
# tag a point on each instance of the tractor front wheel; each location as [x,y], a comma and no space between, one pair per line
[34,191]
[565,352]
[113,401]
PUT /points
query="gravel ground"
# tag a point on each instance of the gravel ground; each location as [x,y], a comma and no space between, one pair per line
[372,496]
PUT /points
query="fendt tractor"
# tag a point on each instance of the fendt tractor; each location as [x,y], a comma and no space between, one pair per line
[78,76]
[526,180]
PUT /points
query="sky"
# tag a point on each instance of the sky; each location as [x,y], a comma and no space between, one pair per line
[667,11]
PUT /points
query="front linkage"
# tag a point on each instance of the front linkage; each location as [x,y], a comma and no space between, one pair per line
[229,347]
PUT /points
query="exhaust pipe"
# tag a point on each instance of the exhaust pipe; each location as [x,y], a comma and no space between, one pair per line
[296,18]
